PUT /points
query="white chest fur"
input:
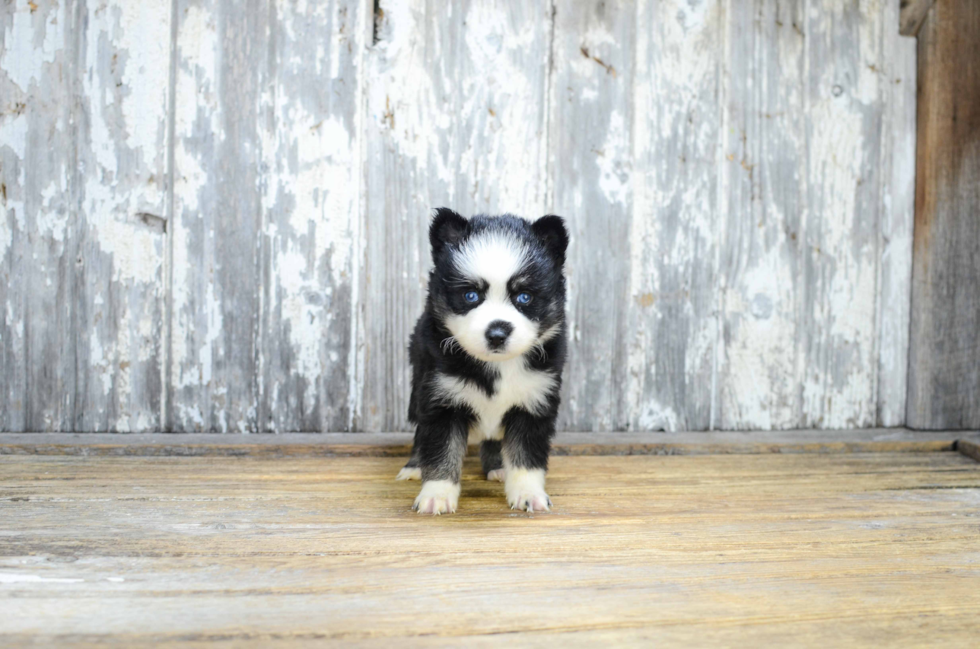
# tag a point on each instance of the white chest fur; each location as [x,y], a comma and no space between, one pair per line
[517,385]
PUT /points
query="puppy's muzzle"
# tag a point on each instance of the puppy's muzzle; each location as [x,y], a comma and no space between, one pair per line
[497,334]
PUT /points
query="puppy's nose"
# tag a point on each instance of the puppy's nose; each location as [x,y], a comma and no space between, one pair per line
[497,333]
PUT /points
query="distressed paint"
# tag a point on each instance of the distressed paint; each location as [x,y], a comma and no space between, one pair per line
[763,166]
[456,116]
[86,86]
[123,61]
[737,178]
[38,244]
[792,313]
[675,227]
[898,93]
[222,57]
[266,206]
[310,206]
[591,159]
[841,78]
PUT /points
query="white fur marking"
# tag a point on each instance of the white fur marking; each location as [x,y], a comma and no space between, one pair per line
[437,497]
[525,490]
[493,258]
[497,474]
[516,386]
[477,435]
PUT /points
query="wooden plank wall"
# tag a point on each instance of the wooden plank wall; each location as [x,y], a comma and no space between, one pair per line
[83,176]
[214,215]
[944,369]
[265,209]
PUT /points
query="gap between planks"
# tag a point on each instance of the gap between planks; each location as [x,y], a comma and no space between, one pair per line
[566,444]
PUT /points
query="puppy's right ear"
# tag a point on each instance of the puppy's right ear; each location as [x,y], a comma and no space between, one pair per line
[448,228]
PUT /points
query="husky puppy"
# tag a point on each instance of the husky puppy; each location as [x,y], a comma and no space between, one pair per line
[487,356]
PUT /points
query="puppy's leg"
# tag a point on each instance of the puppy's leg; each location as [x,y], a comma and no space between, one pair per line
[527,442]
[442,446]
[411,470]
[490,458]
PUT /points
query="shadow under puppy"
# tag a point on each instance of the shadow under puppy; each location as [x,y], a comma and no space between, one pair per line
[487,356]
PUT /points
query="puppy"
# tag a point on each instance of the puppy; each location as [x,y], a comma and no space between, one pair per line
[487,356]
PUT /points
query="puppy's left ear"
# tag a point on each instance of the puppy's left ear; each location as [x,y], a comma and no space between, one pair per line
[551,231]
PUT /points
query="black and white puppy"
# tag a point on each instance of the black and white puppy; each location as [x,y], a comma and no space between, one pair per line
[487,356]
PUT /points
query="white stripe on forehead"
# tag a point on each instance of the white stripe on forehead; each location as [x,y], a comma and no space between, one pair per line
[493,257]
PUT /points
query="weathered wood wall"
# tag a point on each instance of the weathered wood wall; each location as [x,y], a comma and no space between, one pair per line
[944,368]
[214,213]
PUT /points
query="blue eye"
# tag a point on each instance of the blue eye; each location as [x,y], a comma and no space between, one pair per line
[471,296]
[523,298]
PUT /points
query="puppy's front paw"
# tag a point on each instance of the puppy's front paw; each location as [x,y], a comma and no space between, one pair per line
[525,490]
[497,474]
[437,497]
[531,501]
[409,473]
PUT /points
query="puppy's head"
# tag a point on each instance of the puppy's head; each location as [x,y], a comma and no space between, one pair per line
[497,284]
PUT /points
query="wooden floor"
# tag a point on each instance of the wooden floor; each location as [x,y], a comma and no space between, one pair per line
[818,550]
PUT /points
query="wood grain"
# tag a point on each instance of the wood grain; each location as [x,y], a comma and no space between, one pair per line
[310,209]
[222,55]
[969,448]
[457,117]
[913,14]
[764,165]
[214,215]
[267,162]
[675,234]
[121,159]
[83,179]
[797,322]
[840,228]
[38,235]
[897,164]
[591,161]
[945,350]
[812,550]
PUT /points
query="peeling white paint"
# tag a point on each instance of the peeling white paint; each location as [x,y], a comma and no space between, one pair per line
[898,93]
[195,114]
[13,136]
[124,77]
[844,318]
[451,106]
[673,231]
[323,189]
[98,362]
[306,321]
[212,335]
[761,355]
[34,41]
[6,232]
[653,415]
[52,218]
[466,130]
[613,163]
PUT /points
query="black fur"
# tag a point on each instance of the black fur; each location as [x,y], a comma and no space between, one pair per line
[490,458]
[441,429]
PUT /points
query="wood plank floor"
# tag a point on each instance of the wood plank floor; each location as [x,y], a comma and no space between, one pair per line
[818,550]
